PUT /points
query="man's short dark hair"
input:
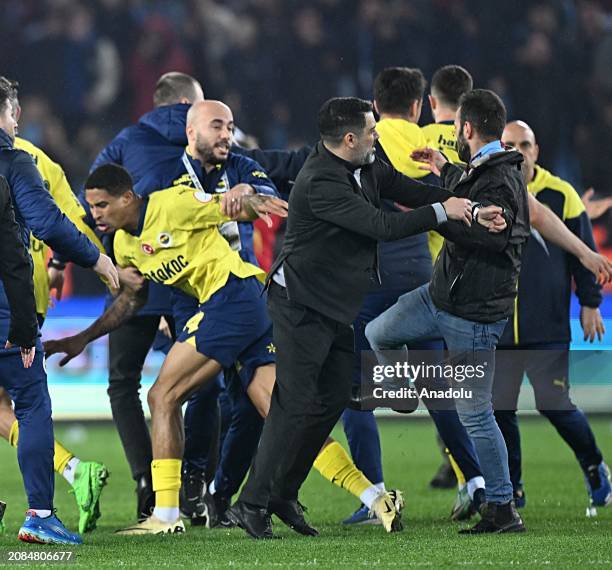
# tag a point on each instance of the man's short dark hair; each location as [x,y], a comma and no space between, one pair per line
[485,111]
[342,115]
[174,86]
[396,88]
[112,178]
[449,83]
[7,93]
[11,86]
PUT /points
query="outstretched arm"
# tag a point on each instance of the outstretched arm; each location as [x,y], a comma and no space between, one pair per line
[127,303]
[554,230]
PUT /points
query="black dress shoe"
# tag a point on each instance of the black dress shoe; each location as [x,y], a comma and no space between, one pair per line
[145,497]
[497,519]
[255,520]
[292,514]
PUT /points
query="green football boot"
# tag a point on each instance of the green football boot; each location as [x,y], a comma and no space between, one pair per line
[89,480]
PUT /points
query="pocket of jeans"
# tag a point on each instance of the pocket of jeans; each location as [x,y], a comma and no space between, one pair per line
[482,338]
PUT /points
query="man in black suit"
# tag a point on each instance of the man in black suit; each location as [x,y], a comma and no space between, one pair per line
[317,286]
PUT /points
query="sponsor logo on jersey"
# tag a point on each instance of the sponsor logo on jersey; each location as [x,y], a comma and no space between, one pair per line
[259,174]
[167,270]
[148,249]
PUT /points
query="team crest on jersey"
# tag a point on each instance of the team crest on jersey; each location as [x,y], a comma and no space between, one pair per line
[201,196]
[164,239]
[148,249]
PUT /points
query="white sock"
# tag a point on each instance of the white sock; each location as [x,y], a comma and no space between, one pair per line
[42,513]
[70,470]
[381,486]
[166,514]
[211,487]
[369,495]
[475,483]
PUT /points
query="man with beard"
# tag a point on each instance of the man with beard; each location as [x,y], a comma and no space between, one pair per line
[209,164]
[471,294]
[317,286]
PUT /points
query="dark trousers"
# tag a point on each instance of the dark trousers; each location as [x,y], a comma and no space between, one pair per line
[313,386]
[127,349]
[239,444]
[549,377]
[27,387]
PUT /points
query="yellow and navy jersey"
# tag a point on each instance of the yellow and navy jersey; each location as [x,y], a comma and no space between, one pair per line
[399,138]
[178,243]
[404,264]
[442,137]
[542,305]
[56,183]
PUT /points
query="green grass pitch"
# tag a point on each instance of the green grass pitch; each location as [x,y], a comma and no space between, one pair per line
[559,535]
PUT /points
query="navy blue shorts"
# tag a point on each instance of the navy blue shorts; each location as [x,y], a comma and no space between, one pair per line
[233,328]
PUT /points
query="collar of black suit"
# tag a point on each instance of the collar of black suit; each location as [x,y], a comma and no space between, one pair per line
[350,167]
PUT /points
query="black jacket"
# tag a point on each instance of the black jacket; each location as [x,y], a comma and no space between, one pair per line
[16,275]
[475,276]
[329,256]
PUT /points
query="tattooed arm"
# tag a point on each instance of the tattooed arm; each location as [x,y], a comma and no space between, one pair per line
[127,303]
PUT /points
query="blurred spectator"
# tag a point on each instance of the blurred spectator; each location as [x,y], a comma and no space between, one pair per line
[89,65]
[158,50]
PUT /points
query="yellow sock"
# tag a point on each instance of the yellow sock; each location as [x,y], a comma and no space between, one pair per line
[335,464]
[61,456]
[458,473]
[166,474]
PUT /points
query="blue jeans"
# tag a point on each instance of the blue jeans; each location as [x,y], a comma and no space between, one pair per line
[415,317]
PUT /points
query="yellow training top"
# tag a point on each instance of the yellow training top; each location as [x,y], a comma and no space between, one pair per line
[178,243]
[55,181]
[442,137]
[545,180]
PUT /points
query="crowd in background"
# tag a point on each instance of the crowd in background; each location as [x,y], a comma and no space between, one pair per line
[88,67]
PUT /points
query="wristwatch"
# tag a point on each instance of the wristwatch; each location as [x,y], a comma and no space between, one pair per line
[56,264]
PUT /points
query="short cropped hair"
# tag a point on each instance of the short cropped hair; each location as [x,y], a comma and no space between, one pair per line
[174,86]
[485,111]
[449,83]
[11,86]
[342,115]
[6,94]
[396,88]
[112,178]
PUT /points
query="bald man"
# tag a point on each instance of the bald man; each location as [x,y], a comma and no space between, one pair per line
[541,323]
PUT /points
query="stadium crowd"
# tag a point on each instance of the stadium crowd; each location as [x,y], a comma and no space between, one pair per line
[103,57]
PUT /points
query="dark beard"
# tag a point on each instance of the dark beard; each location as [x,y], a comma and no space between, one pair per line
[463,149]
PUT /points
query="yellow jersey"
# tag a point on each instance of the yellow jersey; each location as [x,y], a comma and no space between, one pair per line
[398,139]
[178,243]
[56,183]
[545,180]
[442,137]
